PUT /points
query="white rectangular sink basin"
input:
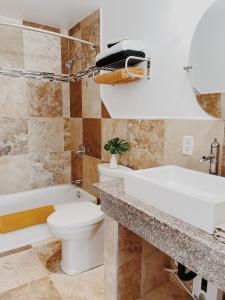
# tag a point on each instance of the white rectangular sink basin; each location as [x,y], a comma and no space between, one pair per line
[194,197]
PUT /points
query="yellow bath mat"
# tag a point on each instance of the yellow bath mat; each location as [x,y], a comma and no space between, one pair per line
[26,218]
[119,76]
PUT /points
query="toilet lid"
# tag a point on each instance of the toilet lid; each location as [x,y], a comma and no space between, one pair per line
[76,215]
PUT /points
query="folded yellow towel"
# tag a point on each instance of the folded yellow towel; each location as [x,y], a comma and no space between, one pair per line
[119,76]
[26,218]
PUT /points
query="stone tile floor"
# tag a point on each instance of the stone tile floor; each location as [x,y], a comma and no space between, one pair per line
[34,273]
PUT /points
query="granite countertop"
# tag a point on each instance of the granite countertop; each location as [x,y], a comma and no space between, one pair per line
[194,248]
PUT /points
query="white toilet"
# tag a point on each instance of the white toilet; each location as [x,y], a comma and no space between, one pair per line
[80,226]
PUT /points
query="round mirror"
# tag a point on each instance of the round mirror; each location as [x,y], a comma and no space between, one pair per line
[207,60]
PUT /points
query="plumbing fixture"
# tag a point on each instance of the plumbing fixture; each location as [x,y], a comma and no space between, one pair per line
[69,63]
[80,151]
[188,68]
[76,181]
[174,273]
[78,194]
[213,157]
[183,275]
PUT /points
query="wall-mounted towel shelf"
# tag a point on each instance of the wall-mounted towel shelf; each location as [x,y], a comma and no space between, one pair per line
[125,71]
[125,64]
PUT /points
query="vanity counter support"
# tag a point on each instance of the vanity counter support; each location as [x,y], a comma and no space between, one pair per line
[192,247]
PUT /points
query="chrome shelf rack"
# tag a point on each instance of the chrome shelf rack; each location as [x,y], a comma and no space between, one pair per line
[131,61]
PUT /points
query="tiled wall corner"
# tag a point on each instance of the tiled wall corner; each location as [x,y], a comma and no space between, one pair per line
[85,103]
[75,50]
[90,31]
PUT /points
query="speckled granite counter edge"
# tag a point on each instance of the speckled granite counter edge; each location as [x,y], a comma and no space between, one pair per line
[189,245]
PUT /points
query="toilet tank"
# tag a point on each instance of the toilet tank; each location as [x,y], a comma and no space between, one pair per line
[107,174]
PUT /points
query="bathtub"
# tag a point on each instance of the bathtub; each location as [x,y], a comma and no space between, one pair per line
[59,196]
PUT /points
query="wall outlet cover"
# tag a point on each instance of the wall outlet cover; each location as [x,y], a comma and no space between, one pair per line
[188,145]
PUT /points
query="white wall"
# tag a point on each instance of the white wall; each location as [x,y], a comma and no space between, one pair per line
[208,50]
[167,28]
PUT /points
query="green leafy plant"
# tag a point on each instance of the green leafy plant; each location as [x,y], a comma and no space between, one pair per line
[117,146]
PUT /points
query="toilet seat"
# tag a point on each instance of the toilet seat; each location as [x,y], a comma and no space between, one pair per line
[76,215]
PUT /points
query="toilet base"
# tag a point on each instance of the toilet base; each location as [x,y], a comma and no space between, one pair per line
[80,255]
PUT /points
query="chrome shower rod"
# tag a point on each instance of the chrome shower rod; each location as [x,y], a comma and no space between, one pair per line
[47,32]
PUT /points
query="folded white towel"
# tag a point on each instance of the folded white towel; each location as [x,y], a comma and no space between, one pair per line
[219,232]
[220,238]
[134,45]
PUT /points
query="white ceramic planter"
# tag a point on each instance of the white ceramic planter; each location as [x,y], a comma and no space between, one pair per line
[113,162]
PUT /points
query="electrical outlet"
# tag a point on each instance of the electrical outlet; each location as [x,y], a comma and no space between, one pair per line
[188,145]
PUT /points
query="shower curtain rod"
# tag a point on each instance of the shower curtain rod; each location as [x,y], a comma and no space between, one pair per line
[47,32]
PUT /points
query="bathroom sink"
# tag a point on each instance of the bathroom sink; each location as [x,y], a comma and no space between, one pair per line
[194,197]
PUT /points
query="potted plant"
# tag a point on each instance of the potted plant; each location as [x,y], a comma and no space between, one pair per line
[116,146]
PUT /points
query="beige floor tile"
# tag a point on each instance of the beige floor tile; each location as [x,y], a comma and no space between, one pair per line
[20,268]
[167,292]
[41,289]
[47,250]
[85,286]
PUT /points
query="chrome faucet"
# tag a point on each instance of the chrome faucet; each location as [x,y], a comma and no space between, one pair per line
[213,157]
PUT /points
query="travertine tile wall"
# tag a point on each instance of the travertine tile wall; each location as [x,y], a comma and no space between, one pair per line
[32,113]
[153,142]
[85,104]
